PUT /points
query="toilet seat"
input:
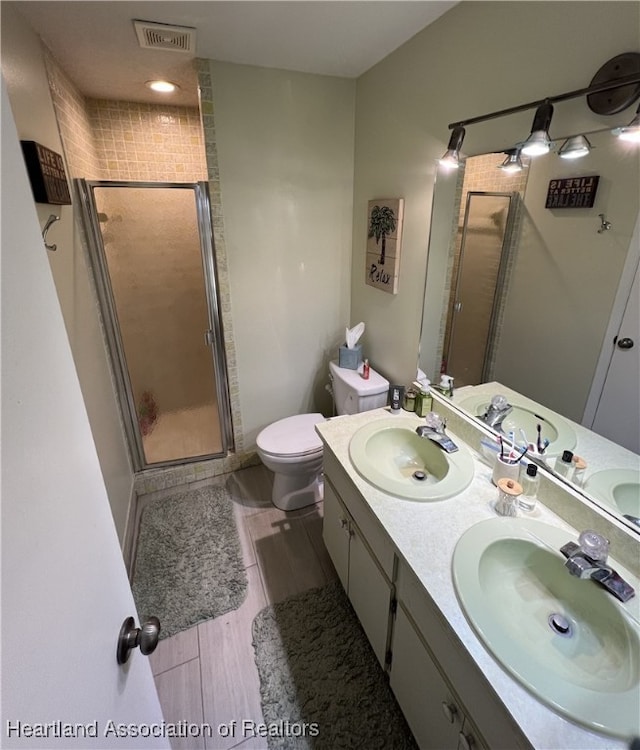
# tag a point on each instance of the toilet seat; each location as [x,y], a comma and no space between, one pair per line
[292,436]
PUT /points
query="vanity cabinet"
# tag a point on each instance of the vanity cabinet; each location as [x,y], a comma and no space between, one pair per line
[431,708]
[435,681]
[366,584]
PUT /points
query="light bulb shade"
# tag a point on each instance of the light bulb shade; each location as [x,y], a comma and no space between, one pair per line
[451,158]
[630,132]
[539,142]
[575,147]
[513,163]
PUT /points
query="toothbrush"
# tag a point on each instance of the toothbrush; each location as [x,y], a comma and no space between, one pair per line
[539,442]
[525,439]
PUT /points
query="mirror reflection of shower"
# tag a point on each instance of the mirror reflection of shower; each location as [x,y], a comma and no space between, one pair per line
[479,266]
[156,281]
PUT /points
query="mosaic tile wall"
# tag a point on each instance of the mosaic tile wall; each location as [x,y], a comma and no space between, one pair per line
[147,142]
[74,124]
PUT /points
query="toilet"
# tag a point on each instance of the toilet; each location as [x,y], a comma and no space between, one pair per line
[291,448]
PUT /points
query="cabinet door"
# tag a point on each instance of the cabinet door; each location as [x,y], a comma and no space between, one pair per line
[468,739]
[370,594]
[335,533]
[424,697]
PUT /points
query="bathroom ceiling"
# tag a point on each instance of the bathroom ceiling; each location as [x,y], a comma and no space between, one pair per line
[96,44]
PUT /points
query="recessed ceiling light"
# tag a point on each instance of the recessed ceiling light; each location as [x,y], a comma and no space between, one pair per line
[163,87]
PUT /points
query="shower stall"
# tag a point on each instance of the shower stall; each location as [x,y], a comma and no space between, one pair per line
[152,255]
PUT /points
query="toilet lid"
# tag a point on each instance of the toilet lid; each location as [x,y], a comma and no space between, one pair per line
[293,436]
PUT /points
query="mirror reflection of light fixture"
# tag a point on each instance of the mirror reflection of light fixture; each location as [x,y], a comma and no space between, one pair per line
[451,158]
[538,142]
[575,147]
[630,132]
[513,162]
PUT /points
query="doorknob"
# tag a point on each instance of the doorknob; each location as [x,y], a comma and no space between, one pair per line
[625,343]
[130,637]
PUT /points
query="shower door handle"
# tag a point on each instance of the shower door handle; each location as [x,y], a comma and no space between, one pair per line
[208,337]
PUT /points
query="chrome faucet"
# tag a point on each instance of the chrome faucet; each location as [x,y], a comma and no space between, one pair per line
[496,412]
[588,558]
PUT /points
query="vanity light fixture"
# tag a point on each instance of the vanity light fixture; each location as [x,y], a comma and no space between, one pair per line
[538,142]
[162,87]
[630,132]
[618,80]
[451,158]
[513,162]
[575,147]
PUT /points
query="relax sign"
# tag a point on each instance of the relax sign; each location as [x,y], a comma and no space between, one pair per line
[384,234]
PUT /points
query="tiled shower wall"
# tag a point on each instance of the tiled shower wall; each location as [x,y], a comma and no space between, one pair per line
[147,142]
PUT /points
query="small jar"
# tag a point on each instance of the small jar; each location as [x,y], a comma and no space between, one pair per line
[508,493]
[564,464]
[530,482]
[409,403]
[579,471]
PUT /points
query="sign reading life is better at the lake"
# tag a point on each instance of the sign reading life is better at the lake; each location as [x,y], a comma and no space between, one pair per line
[572,192]
[384,236]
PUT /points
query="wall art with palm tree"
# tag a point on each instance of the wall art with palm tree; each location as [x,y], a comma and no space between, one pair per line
[384,235]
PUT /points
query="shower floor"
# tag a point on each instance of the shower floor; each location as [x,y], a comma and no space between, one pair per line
[183,434]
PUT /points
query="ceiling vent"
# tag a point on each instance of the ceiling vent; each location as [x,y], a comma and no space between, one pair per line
[160,36]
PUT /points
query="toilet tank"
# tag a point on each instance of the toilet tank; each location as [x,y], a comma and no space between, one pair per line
[353,394]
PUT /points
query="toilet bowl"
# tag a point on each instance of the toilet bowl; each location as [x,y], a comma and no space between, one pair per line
[292,450]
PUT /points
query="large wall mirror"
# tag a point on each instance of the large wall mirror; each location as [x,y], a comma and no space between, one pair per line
[538,287]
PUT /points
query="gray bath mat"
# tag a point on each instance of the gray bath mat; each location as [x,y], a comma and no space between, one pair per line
[319,677]
[189,565]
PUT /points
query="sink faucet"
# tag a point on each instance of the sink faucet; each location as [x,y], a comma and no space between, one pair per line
[588,558]
[496,412]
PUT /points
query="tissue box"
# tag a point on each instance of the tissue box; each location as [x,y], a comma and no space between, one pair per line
[350,358]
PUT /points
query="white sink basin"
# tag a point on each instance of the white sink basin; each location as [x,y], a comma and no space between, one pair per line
[518,596]
[527,418]
[392,457]
[618,488]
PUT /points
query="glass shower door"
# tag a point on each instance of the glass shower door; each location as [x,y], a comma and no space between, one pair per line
[157,279]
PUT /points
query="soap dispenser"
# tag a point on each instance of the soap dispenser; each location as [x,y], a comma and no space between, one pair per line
[423,397]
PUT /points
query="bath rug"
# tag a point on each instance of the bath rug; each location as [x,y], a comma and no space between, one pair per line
[189,565]
[321,686]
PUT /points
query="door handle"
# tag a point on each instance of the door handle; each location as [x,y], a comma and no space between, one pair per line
[208,337]
[625,343]
[131,637]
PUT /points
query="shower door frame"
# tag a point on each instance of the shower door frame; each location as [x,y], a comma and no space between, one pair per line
[213,337]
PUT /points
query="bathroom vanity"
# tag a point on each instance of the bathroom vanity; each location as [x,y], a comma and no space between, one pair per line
[394,558]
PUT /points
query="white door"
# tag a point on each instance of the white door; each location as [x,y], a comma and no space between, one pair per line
[618,412]
[65,592]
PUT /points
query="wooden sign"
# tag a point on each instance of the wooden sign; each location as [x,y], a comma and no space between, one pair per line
[572,192]
[384,237]
[46,174]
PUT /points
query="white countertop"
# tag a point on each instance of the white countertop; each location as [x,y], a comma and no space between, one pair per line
[425,535]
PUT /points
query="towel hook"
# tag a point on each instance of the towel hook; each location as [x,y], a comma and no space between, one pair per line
[604,224]
[51,220]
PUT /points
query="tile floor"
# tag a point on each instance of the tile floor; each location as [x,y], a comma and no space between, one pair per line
[207,673]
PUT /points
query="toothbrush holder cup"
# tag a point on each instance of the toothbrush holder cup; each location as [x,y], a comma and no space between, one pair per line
[504,469]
